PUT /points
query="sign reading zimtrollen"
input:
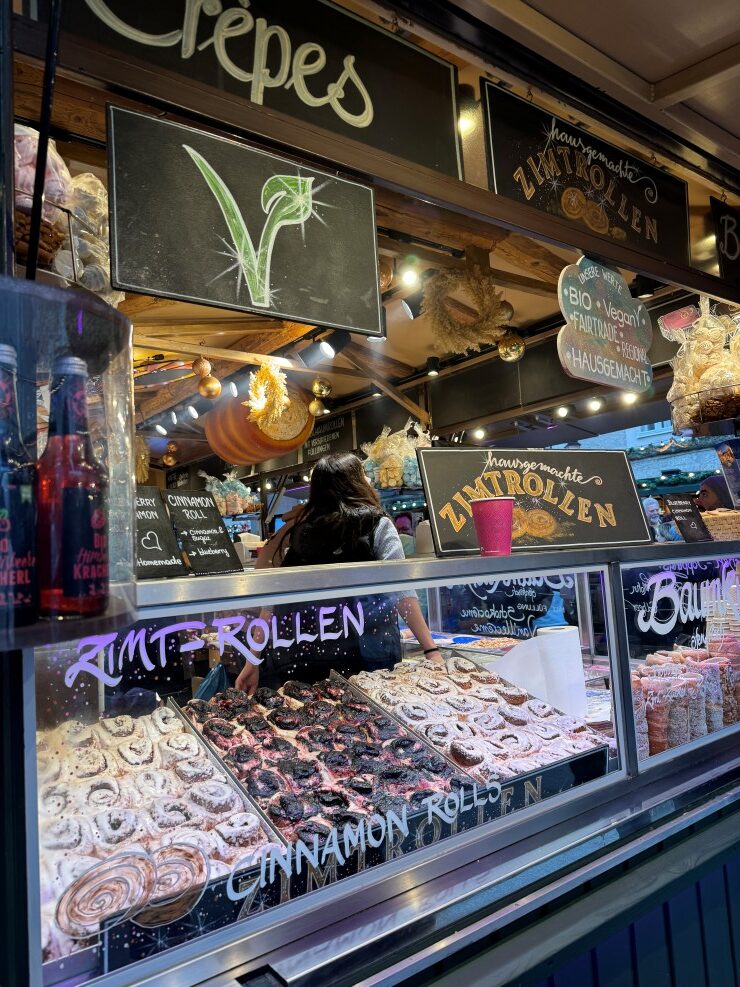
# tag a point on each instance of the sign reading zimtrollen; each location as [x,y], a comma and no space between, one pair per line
[564,170]
[201,218]
[608,332]
[564,498]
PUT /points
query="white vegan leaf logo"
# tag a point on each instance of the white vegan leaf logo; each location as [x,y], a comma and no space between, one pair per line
[286,199]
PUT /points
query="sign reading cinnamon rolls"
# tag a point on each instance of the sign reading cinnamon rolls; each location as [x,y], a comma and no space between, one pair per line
[564,498]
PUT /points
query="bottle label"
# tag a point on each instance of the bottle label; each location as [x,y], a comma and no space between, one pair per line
[84,543]
[17,558]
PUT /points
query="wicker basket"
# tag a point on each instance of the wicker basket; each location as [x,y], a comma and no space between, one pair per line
[50,239]
[723,524]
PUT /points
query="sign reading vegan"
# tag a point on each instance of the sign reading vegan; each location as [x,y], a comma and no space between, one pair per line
[205,219]
[157,553]
[309,60]
[727,232]
[201,532]
[607,333]
[562,169]
[564,498]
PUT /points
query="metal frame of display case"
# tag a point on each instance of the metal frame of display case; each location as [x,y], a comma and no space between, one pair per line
[511,848]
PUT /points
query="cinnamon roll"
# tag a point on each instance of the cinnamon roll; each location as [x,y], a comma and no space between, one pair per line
[514,743]
[456,663]
[119,886]
[48,767]
[468,753]
[101,793]
[114,827]
[138,753]
[488,721]
[539,709]
[92,763]
[182,875]
[207,841]
[461,680]
[171,813]
[442,733]
[515,715]
[414,713]
[54,800]
[152,784]
[464,706]
[162,722]
[216,797]
[178,747]
[73,733]
[71,835]
[193,770]
[544,730]
[434,687]
[486,693]
[114,730]
[511,694]
[242,830]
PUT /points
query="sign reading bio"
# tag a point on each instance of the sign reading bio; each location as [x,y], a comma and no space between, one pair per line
[608,332]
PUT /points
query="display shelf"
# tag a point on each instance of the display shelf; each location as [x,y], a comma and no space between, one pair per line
[120,613]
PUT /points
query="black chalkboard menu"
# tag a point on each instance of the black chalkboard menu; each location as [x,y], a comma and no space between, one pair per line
[202,218]
[157,554]
[201,532]
[687,517]
[335,434]
[564,498]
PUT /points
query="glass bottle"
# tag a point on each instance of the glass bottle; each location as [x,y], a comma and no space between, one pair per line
[18,587]
[72,541]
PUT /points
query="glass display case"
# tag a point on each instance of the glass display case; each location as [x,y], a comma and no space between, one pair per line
[178,814]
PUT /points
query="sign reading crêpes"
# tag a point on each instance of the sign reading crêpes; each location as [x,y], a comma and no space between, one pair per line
[564,498]
[564,170]
[608,332]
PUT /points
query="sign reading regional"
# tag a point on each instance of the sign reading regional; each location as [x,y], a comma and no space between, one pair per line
[263,233]
[608,332]
[564,498]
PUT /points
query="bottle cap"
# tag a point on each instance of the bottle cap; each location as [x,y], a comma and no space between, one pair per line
[8,356]
[69,365]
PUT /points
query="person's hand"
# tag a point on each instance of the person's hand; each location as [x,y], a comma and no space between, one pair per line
[435,656]
[248,679]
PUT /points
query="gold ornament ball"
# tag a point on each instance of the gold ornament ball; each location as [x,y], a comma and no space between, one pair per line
[511,347]
[169,460]
[507,311]
[316,407]
[385,274]
[321,388]
[209,387]
[201,367]
[172,447]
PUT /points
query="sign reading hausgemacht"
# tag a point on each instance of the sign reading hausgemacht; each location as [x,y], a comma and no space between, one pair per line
[157,553]
[564,498]
[688,519]
[308,60]
[564,170]
[607,333]
[335,434]
[204,219]
[727,231]
[201,532]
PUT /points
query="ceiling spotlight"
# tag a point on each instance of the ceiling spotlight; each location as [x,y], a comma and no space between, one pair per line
[338,341]
[414,303]
[316,352]
[377,394]
[305,477]
[409,276]
[433,366]
[562,412]
[479,433]
[595,404]
[234,389]
[173,418]
[192,412]
[398,308]
[629,397]
[161,429]
[643,287]
[268,485]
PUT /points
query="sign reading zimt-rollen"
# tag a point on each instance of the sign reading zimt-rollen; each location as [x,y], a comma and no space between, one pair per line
[564,498]
[608,332]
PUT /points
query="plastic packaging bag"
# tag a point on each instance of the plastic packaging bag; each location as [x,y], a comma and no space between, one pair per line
[216,681]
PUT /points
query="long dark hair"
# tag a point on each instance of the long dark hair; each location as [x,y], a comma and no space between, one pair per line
[342,506]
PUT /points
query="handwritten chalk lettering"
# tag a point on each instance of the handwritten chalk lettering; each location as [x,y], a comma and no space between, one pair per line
[296,70]
[341,621]
[675,600]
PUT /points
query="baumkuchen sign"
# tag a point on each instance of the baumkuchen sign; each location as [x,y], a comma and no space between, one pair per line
[727,232]
[564,498]
[308,59]
[201,218]
[562,169]
[607,333]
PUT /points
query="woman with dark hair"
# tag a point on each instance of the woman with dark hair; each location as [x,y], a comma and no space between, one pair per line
[713,493]
[342,522]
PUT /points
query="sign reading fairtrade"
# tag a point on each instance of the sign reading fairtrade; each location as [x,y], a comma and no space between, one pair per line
[157,554]
[309,60]
[201,532]
[263,233]
[561,169]
[564,498]
[727,232]
[607,333]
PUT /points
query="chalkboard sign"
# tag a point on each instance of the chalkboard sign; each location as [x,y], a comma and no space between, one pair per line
[564,498]
[204,219]
[309,60]
[727,231]
[335,434]
[687,517]
[201,532]
[607,333]
[177,478]
[157,553]
[559,168]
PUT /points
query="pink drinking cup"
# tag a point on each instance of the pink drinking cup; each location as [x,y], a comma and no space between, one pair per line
[493,517]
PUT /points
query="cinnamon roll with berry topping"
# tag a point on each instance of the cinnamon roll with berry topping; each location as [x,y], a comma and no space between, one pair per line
[287,809]
[242,759]
[263,784]
[301,691]
[220,732]
[269,699]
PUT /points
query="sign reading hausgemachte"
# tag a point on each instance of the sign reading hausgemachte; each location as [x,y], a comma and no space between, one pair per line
[564,498]
[564,170]
[202,218]
[608,332]
[309,60]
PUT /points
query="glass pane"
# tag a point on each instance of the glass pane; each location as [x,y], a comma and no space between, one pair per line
[172,804]
[683,624]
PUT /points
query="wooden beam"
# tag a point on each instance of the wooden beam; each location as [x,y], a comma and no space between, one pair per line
[414,409]
[229,356]
[380,361]
[531,256]
[134,305]
[711,71]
